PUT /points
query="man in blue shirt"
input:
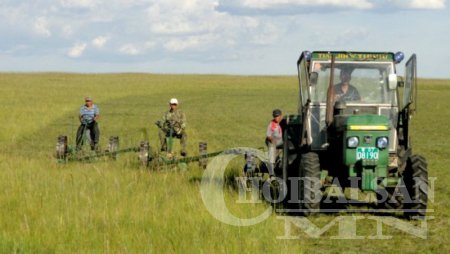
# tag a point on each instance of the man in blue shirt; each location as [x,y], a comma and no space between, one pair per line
[89,114]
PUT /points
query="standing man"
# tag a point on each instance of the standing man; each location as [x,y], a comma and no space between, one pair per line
[89,114]
[173,125]
[274,138]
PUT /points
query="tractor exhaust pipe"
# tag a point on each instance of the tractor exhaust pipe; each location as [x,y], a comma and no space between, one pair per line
[330,95]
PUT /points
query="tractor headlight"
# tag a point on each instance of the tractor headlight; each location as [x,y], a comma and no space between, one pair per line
[382,142]
[352,142]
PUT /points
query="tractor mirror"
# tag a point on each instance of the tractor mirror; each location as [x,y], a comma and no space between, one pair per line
[392,81]
[313,77]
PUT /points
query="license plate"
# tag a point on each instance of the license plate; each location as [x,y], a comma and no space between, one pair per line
[367,153]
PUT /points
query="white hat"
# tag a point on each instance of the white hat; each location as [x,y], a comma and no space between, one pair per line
[173,101]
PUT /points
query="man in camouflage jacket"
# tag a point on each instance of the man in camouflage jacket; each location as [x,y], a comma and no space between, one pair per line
[173,124]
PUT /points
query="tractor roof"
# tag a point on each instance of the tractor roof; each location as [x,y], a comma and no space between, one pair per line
[353,56]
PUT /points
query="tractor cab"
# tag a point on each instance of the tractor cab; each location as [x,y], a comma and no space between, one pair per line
[351,84]
[353,126]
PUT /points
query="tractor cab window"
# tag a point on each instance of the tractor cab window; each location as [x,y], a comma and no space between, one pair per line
[354,82]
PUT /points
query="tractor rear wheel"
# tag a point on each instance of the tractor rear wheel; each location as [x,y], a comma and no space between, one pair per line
[415,178]
[309,188]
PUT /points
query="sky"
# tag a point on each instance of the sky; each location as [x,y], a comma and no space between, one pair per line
[243,37]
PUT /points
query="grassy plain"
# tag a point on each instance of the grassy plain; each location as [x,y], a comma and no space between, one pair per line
[120,208]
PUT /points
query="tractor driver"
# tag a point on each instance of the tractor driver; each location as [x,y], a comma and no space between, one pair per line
[344,91]
[173,125]
[89,114]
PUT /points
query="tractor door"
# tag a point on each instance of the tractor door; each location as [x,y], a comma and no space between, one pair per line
[305,99]
[410,90]
[304,84]
[409,102]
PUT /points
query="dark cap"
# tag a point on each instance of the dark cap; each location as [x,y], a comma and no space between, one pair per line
[276,112]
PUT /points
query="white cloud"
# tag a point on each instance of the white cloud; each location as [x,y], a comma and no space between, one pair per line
[341,38]
[67,31]
[198,31]
[129,49]
[264,4]
[183,16]
[267,35]
[296,7]
[77,50]
[134,49]
[421,4]
[99,41]
[41,27]
[197,24]
[15,49]
[150,44]
[191,42]
[77,3]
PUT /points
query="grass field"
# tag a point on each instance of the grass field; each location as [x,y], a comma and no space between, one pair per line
[120,208]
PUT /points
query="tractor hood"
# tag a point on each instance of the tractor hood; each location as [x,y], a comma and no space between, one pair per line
[361,123]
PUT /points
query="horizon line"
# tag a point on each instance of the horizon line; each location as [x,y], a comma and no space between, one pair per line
[172,73]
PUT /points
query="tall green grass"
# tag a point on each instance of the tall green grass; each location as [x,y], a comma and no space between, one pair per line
[116,206]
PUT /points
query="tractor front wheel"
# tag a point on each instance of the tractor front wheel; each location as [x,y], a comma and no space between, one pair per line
[310,193]
[390,198]
[415,178]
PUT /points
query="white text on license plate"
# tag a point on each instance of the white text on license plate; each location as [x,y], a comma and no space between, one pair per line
[367,153]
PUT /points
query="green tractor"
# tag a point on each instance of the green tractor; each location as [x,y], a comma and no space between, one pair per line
[350,141]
